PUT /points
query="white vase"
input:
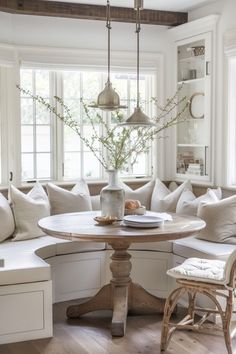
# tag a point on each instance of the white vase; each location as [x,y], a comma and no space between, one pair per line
[112,197]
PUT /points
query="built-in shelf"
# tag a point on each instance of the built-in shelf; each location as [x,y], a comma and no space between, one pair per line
[191,81]
[193,58]
[192,145]
[183,176]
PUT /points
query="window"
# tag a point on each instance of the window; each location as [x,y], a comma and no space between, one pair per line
[50,150]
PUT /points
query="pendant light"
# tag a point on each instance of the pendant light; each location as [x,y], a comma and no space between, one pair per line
[108,99]
[138,118]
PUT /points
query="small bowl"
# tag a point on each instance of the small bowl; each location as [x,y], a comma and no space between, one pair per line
[136,211]
[105,220]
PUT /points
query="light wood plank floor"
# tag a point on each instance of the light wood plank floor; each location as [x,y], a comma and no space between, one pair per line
[91,335]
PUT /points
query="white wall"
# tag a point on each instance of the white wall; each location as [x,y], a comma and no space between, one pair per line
[227,11]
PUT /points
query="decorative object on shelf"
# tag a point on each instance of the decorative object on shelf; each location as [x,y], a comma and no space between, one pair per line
[197,50]
[193,99]
[192,74]
[112,197]
[108,99]
[138,118]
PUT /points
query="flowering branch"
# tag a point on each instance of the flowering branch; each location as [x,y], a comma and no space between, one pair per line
[122,144]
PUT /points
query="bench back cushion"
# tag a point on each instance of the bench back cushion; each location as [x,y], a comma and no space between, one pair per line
[64,201]
[220,218]
[163,200]
[28,209]
[6,219]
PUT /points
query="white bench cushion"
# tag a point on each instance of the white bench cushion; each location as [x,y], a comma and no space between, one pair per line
[23,259]
[203,270]
[193,247]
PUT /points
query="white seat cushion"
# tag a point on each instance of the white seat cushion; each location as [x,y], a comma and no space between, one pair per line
[23,261]
[197,269]
[193,247]
[22,265]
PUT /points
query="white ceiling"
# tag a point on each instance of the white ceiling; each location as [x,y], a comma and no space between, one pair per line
[168,5]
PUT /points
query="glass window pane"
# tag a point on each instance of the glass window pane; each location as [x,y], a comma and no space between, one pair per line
[27,166]
[91,166]
[26,111]
[42,83]
[26,80]
[43,162]
[120,84]
[139,168]
[90,134]
[71,84]
[74,107]
[43,138]
[27,138]
[71,140]
[91,85]
[42,114]
[72,165]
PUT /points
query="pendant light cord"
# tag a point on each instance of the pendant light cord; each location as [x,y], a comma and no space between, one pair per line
[138,29]
[108,25]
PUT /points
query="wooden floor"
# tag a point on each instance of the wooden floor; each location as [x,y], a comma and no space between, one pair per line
[91,335]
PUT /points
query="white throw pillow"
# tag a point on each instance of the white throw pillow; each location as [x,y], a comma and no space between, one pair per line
[220,218]
[143,194]
[63,201]
[188,204]
[28,209]
[163,200]
[6,219]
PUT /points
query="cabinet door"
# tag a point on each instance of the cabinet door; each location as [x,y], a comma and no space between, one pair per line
[193,136]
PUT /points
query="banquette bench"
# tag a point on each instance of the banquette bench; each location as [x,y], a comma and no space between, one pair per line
[45,270]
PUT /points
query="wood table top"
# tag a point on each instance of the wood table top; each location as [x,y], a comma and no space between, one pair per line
[82,226]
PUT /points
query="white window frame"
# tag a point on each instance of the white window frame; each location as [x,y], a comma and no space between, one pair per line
[60,58]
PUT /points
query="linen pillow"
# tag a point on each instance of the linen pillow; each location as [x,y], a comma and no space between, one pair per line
[143,194]
[188,204]
[220,218]
[6,219]
[163,200]
[28,209]
[63,201]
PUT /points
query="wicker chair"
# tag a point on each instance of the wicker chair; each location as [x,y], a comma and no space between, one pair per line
[207,277]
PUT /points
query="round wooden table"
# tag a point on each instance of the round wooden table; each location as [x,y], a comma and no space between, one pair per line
[121,295]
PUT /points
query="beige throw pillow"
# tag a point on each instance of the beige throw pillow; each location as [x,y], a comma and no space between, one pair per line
[220,218]
[28,209]
[163,200]
[188,204]
[63,201]
[143,194]
[6,219]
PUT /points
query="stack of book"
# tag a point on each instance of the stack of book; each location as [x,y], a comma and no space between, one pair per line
[195,169]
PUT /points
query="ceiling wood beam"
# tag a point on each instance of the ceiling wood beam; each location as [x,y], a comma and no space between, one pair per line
[91,12]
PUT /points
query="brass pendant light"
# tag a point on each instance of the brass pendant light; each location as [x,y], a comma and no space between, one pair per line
[138,118]
[108,99]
